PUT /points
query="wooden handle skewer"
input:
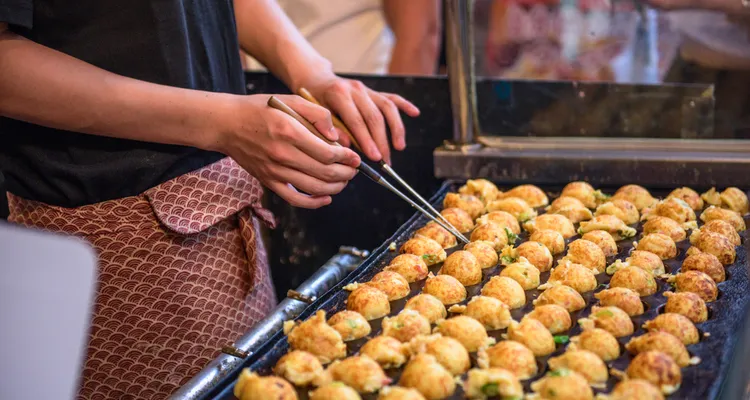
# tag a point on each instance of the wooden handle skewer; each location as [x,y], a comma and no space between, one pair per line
[276,103]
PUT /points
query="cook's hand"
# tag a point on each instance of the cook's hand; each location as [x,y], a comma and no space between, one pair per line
[284,155]
[365,112]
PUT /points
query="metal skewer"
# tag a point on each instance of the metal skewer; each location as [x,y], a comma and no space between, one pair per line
[273,102]
[304,93]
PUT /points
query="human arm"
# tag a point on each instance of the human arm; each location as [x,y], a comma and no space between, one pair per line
[267,34]
[416,26]
[46,87]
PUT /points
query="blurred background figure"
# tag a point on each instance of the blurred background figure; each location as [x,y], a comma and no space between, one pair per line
[399,37]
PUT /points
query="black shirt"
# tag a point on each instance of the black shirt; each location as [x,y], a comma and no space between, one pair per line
[183,43]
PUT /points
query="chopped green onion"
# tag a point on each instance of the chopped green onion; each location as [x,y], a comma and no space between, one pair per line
[560,372]
[561,339]
[490,389]
[604,313]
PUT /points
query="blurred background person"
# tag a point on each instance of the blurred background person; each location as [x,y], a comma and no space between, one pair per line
[400,37]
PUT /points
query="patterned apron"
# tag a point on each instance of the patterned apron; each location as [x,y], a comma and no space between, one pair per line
[182,272]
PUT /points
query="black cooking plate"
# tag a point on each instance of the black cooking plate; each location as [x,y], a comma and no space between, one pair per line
[702,381]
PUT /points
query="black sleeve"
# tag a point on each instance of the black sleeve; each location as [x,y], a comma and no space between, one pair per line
[17,12]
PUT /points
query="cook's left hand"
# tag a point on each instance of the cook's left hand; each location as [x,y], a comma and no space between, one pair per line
[366,113]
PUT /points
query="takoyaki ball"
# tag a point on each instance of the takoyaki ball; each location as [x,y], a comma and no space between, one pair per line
[428,376]
[535,253]
[564,296]
[553,222]
[664,226]
[613,320]
[583,192]
[491,232]
[573,275]
[466,330]
[696,282]
[635,279]
[430,251]
[298,367]
[584,362]
[608,223]
[399,393]
[334,391]
[706,263]
[551,239]
[660,341]
[449,352]
[489,311]
[463,266]
[555,318]
[661,245]
[603,240]
[587,254]
[531,194]
[657,368]
[722,228]
[350,324]
[506,290]
[676,324]
[501,218]
[361,373]
[391,283]
[622,298]
[734,218]
[513,206]
[405,326]
[638,195]
[369,301]
[316,337]
[635,389]
[437,233]
[571,208]
[492,382]
[735,200]
[646,260]
[484,252]
[713,243]
[446,288]
[509,355]
[532,334]
[251,386]
[564,202]
[563,385]
[411,267]
[712,197]
[688,304]
[689,196]
[523,272]
[460,219]
[622,209]
[471,204]
[598,341]
[481,188]
[428,305]
[387,351]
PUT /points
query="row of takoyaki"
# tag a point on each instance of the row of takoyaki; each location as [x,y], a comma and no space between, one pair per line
[433,358]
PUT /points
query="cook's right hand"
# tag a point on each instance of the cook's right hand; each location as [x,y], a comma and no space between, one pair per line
[284,155]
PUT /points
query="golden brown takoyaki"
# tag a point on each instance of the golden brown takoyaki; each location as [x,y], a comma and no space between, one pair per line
[636,389]
[598,341]
[646,260]
[584,362]
[532,334]
[657,368]
[460,219]
[688,304]
[735,200]
[492,382]
[387,351]
[350,324]
[563,385]
[611,319]
[638,195]
[463,266]
[583,192]
[574,275]
[531,194]
[706,263]
[407,325]
[466,330]
[298,367]
[534,252]
[635,279]
[713,243]
[251,386]
[428,376]
[412,267]
[481,188]
[316,337]
[552,240]
[734,218]
[553,222]
[513,206]
[391,283]
[369,301]
[722,228]
[437,233]
[484,252]
[334,391]
[471,204]
[587,254]
[490,312]
[493,233]
[562,295]
[678,325]
[430,251]
[571,208]
[428,305]
[510,355]
[506,290]
[604,240]
[564,202]
[502,218]
[665,226]
[449,352]
[660,341]
[661,245]
[620,208]
[446,288]
[608,223]
[554,317]
[523,272]
[399,393]
[696,282]
[622,298]
[689,196]
[361,373]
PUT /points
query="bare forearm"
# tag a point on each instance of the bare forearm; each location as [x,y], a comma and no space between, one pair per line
[416,26]
[46,87]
